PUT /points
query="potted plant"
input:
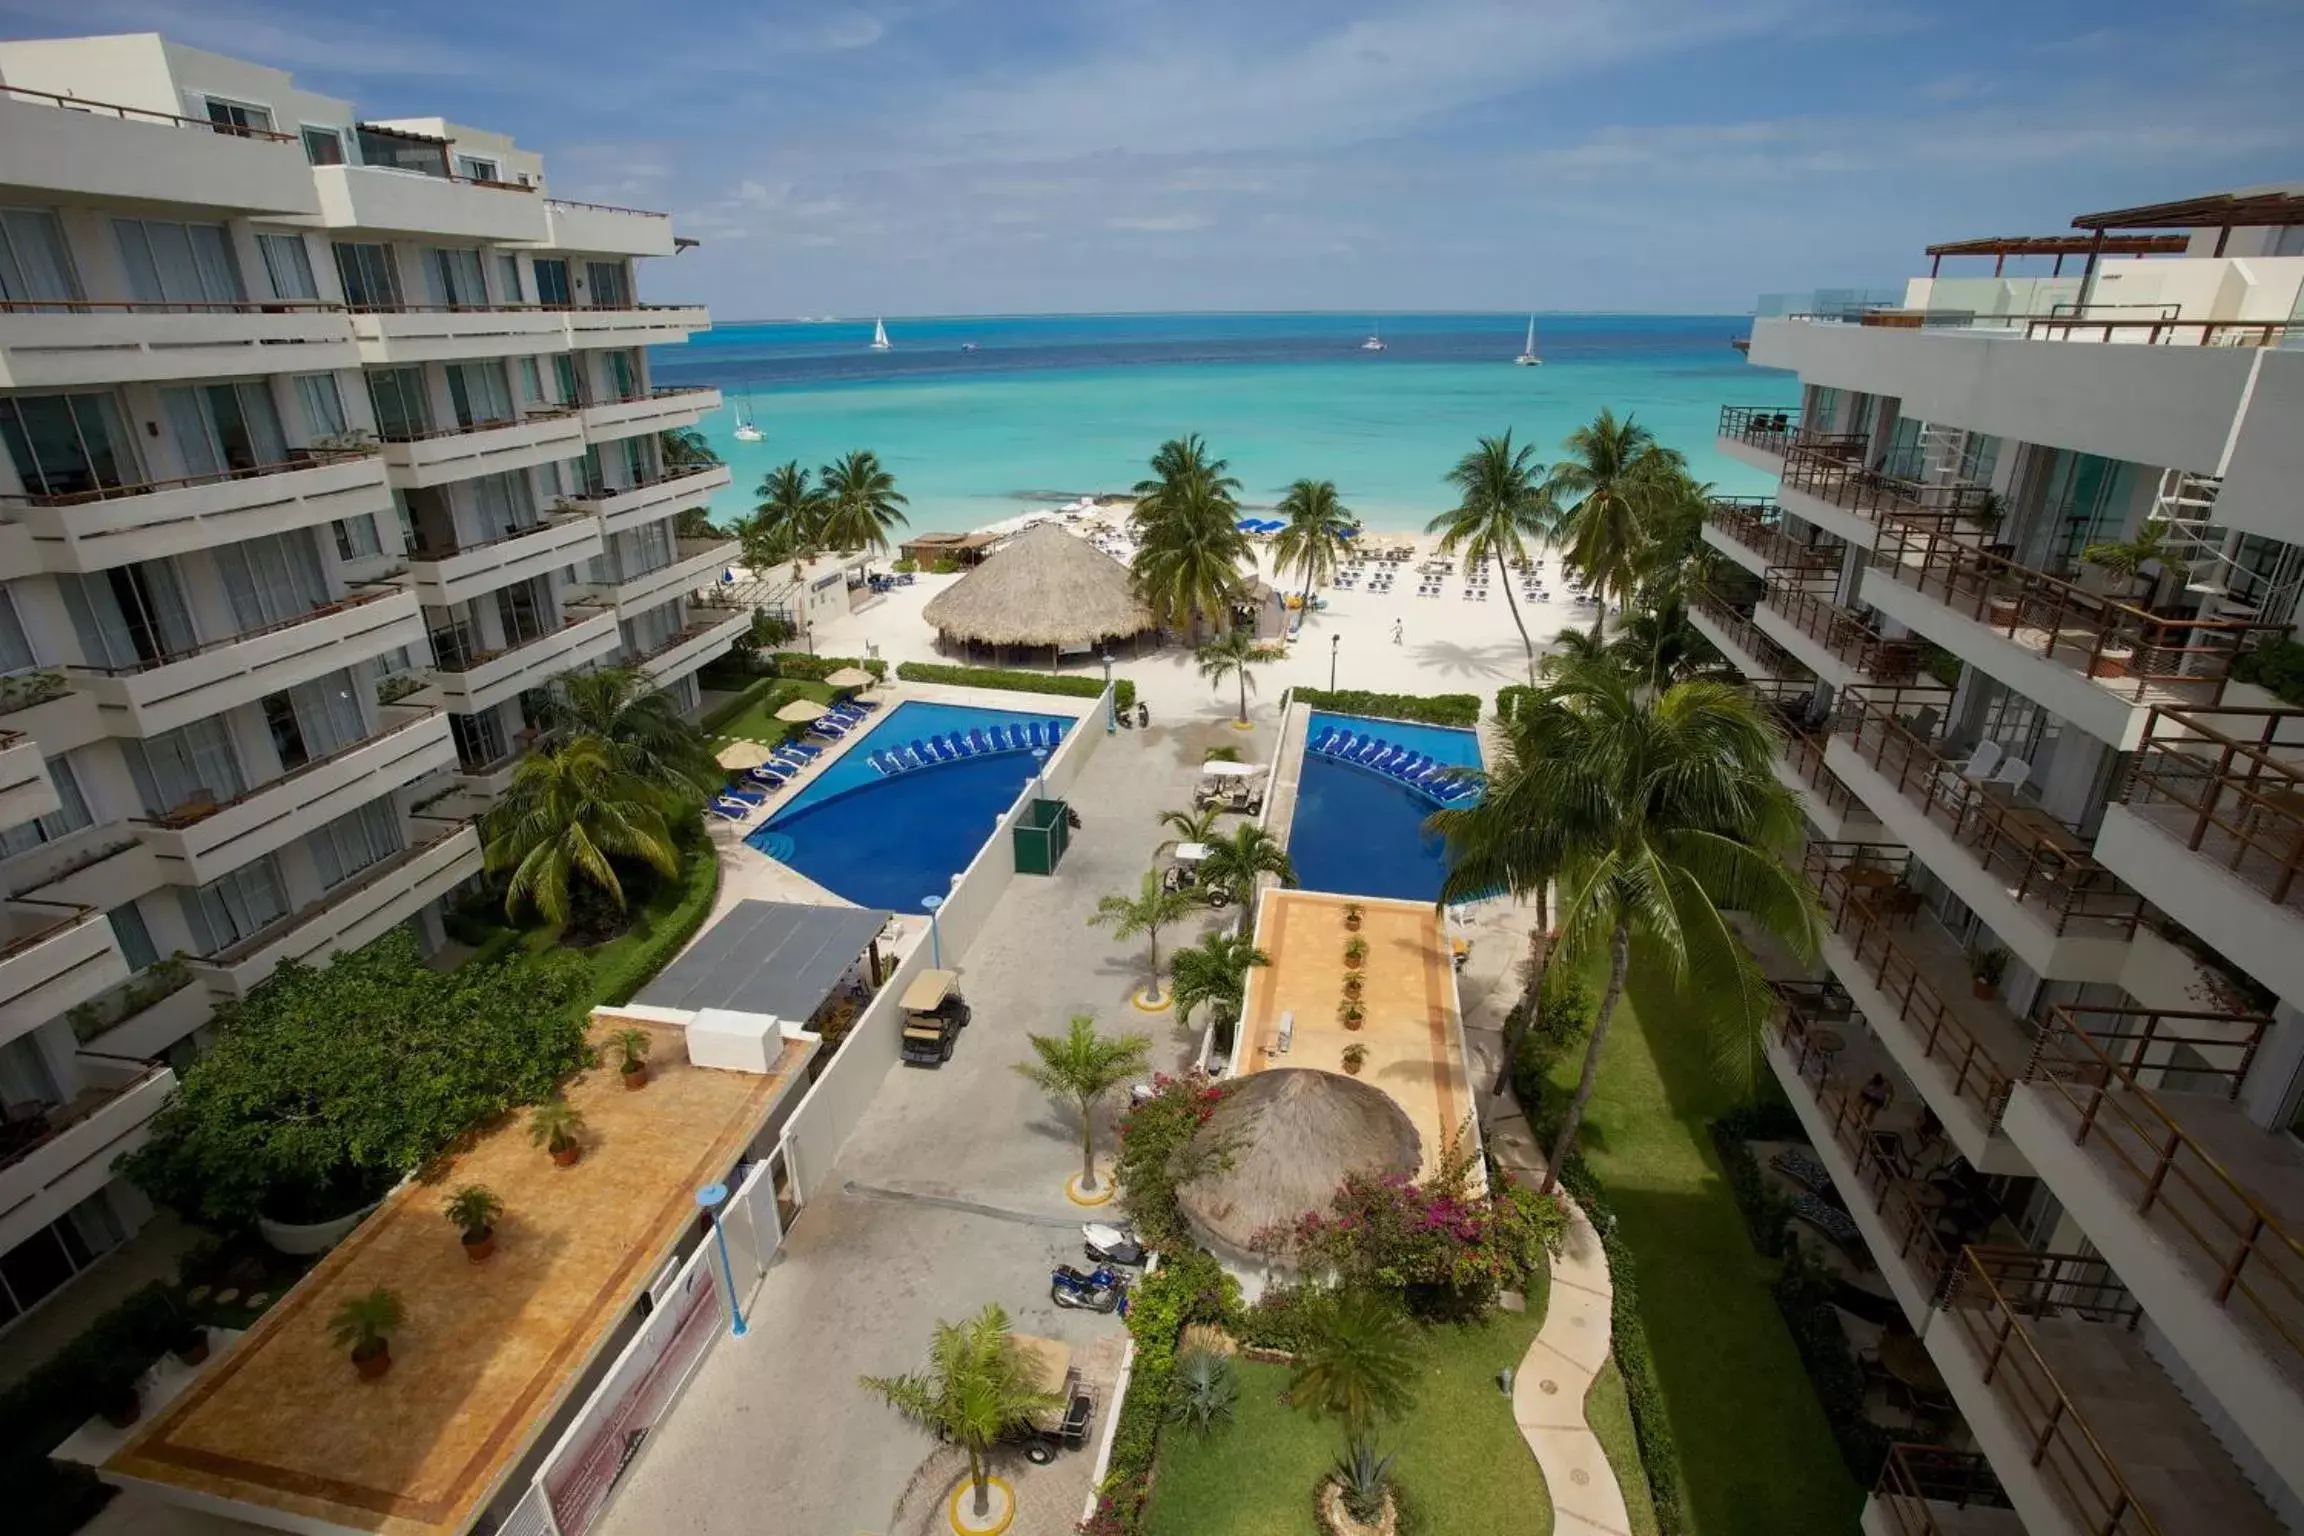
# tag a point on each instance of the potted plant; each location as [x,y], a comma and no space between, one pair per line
[2124,560]
[554,1125]
[1352,983]
[473,1210]
[1355,951]
[1355,1057]
[1352,916]
[634,1044]
[188,1337]
[120,1400]
[1350,1013]
[1985,968]
[365,1324]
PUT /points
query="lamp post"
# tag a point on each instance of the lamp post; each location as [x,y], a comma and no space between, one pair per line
[1111,710]
[935,934]
[1039,771]
[1334,641]
[711,1198]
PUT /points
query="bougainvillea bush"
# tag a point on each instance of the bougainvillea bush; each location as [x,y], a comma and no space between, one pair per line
[1156,1155]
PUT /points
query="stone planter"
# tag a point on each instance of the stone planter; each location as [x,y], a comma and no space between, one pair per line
[1336,1520]
[297,1239]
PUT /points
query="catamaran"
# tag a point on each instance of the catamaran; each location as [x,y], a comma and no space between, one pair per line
[745,431]
[1375,341]
[1528,357]
[880,341]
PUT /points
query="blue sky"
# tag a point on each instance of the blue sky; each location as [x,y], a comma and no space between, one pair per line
[951,156]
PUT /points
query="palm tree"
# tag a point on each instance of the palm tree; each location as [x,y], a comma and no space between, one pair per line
[643,729]
[1231,654]
[1358,1363]
[1080,1067]
[1660,646]
[1237,859]
[788,521]
[1656,813]
[1214,973]
[684,448]
[979,1388]
[1193,826]
[861,503]
[1318,527]
[1179,465]
[1612,490]
[1503,507]
[569,812]
[1189,544]
[1151,909]
[696,523]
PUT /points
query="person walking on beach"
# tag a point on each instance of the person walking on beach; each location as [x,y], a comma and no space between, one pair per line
[1396,631]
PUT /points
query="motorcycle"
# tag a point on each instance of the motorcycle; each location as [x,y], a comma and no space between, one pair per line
[1112,1245]
[1098,1292]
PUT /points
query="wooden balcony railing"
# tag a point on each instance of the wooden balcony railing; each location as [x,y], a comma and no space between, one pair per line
[1790,701]
[1748,636]
[141,115]
[298,459]
[397,719]
[1800,595]
[2229,785]
[1864,895]
[2165,332]
[21,1137]
[435,833]
[374,592]
[1917,1476]
[2130,650]
[1770,428]
[168,306]
[1756,522]
[1994,1292]
[1833,469]
[2110,1068]
[2043,863]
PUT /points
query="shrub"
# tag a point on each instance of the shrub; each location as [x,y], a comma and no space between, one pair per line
[1804,1295]
[1153,1138]
[630,963]
[815,669]
[1563,1018]
[1510,698]
[904,565]
[2277,667]
[1206,1389]
[46,1498]
[1123,689]
[1763,1208]
[945,567]
[728,709]
[1457,709]
[1279,1319]
[1188,1287]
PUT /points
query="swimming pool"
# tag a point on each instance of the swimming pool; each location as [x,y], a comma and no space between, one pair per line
[1359,831]
[888,839]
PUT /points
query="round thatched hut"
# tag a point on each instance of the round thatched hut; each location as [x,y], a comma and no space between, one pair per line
[1294,1133]
[1043,593]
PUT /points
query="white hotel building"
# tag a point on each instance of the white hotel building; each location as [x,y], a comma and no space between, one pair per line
[2085,1190]
[323,442]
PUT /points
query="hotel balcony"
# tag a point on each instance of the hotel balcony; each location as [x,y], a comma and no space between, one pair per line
[139,1019]
[603,230]
[101,866]
[478,787]
[361,909]
[1732,631]
[201,841]
[114,525]
[66,149]
[169,691]
[2088,1433]
[403,334]
[659,410]
[53,958]
[443,455]
[1750,531]
[1797,612]
[2096,661]
[1759,435]
[43,705]
[1909,978]
[2028,876]
[1826,485]
[1799,763]
[473,683]
[636,325]
[620,511]
[445,578]
[710,631]
[429,207]
[696,565]
[89,344]
[53,1162]
[2132,1119]
[1927,1490]
[26,790]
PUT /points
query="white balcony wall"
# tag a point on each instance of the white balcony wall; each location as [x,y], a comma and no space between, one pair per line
[506,676]
[2263,937]
[55,958]
[50,153]
[2267,463]
[76,1162]
[26,790]
[684,658]
[446,336]
[177,519]
[430,207]
[671,325]
[607,231]
[553,545]
[112,346]
[657,413]
[623,511]
[700,564]
[488,451]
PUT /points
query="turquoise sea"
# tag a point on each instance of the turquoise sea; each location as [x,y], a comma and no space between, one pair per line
[1049,407]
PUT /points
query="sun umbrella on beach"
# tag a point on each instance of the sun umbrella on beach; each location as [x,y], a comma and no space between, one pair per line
[849,677]
[740,755]
[801,711]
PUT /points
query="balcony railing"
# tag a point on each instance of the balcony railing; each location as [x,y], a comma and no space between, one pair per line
[2109,1069]
[1756,522]
[141,114]
[591,493]
[298,459]
[1863,891]
[1796,593]
[525,307]
[456,659]
[432,554]
[20,1138]
[2166,332]
[1754,641]
[1770,428]
[2043,863]
[638,213]
[547,412]
[193,814]
[377,591]
[1833,470]
[2229,785]
[280,927]
[2130,650]
[1916,1476]
[168,306]
[1995,1294]
[1789,701]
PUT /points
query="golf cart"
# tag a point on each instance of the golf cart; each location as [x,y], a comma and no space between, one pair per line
[1233,787]
[1064,1427]
[934,1015]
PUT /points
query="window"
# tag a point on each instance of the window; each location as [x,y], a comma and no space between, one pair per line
[323,406]
[15,649]
[453,644]
[508,279]
[323,146]
[67,445]
[611,288]
[135,939]
[356,538]
[531,382]
[352,843]
[35,264]
[191,765]
[67,818]
[624,374]
[178,263]
[551,280]
[238,117]
[401,151]
[479,393]
[288,267]
[230,908]
[49,1258]
[130,616]
[565,377]
[370,279]
[397,394]
[454,275]
[272,579]
[479,738]
[476,168]
[523,613]
[504,503]
[222,428]
[314,720]
[637,470]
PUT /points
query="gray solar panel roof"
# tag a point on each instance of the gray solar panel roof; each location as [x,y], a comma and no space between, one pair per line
[774,957]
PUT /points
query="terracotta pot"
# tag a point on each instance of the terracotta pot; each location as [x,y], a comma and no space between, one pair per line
[2109,664]
[635,1075]
[1352,988]
[124,1410]
[1980,990]
[1353,962]
[566,1156]
[373,1364]
[1351,925]
[478,1248]
[1352,1023]
[196,1351]
[1352,1066]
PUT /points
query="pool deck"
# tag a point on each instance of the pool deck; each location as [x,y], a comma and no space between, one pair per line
[1413,1029]
[488,1352]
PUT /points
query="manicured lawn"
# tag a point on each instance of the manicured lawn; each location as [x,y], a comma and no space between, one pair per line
[1756,1455]
[758,720]
[1611,1419]
[1461,1458]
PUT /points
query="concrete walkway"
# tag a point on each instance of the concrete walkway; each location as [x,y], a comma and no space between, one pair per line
[1548,1389]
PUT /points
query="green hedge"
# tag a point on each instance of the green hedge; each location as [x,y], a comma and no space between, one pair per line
[1804,1292]
[57,1397]
[1764,1209]
[817,668]
[657,936]
[1123,689]
[720,714]
[1510,697]
[1457,709]
[2276,667]
[1188,1287]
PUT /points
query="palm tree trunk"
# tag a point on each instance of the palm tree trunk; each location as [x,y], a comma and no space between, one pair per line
[1531,998]
[1518,623]
[1619,961]
[1242,674]
[1087,1147]
[983,1488]
[1153,996]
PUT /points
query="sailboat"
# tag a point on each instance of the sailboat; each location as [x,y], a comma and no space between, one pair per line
[745,431]
[1375,341]
[1528,357]
[880,342]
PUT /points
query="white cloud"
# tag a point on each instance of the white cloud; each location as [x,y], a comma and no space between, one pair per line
[1161,223]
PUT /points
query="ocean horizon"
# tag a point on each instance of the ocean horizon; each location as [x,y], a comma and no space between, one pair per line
[981,418]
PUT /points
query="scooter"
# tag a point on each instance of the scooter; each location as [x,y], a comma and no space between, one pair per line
[1112,1245]
[1098,1292]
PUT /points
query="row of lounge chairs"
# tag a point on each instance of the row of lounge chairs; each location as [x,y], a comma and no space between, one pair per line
[1438,781]
[787,762]
[978,741]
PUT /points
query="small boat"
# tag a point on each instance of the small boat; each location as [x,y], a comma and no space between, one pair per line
[746,432]
[1528,357]
[967,346]
[880,341]
[1375,341]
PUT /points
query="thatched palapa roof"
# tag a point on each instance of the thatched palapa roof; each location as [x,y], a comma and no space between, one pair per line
[1046,587]
[1294,1133]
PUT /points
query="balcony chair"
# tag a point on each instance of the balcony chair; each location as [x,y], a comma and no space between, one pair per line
[2010,776]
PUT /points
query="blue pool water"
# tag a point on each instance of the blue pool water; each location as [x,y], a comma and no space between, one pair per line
[1359,833]
[887,841]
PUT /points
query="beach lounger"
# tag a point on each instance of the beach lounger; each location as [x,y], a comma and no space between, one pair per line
[999,738]
[768,776]
[961,745]
[885,764]
[1055,732]
[919,749]
[801,749]
[867,706]
[748,794]
[978,740]
[1320,742]
[731,808]
[725,813]
[1034,736]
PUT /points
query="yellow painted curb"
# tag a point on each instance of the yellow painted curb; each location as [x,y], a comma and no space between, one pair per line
[1101,1197]
[963,1527]
[1138,1002]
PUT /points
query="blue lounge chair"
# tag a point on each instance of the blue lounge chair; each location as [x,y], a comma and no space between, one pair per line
[977,739]
[799,749]
[942,749]
[962,745]
[886,764]
[1000,741]
[726,812]
[866,706]
[1055,732]
[919,749]
[1326,739]
[749,794]
[768,777]
[733,808]
[1366,752]
[1040,734]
